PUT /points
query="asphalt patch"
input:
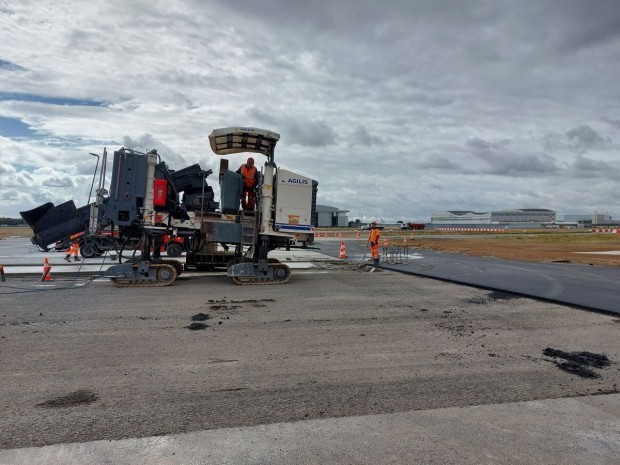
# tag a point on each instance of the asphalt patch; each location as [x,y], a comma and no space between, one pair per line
[578,363]
[501,295]
[81,397]
[197,326]
[201,317]
[224,307]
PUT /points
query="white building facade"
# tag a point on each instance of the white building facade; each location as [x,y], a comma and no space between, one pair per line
[331,217]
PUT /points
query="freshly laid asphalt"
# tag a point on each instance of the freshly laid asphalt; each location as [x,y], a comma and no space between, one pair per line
[592,287]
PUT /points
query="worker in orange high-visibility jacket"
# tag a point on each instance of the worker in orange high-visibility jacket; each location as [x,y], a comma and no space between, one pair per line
[74,249]
[250,180]
[375,234]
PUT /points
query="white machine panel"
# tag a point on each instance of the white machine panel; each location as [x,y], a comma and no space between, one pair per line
[293,202]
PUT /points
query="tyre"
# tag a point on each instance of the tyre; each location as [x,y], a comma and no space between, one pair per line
[174,250]
[88,250]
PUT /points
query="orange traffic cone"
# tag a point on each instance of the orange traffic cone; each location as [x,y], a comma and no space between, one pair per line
[384,242]
[404,239]
[357,235]
[46,276]
[340,234]
[343,251]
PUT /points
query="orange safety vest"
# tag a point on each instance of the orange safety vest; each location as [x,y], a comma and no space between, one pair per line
[374,235]
[249,174]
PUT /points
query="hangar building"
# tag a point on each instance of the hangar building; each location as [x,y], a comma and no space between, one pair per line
[331,217]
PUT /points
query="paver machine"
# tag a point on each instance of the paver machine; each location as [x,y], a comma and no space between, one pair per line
[147,201]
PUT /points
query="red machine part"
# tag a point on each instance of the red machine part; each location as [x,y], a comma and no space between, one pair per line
[160,191]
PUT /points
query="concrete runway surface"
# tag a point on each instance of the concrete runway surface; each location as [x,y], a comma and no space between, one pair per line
[337,366]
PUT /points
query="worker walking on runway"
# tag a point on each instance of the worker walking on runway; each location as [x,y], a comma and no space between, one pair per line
[375,234]
[250,179]
[74,249]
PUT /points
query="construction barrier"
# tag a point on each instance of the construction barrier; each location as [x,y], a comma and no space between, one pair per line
[471,229]
[343,251]
[398,255]
[606,231]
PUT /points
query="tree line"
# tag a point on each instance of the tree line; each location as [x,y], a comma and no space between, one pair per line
[12,221]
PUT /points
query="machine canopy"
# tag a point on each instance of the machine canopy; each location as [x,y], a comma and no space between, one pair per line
[226,141]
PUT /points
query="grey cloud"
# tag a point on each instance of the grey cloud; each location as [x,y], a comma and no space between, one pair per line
[593,22]
[439,162]
[502,160]
[484,146]
[612,122]
[579,139]
[585,167]
[57,181]
[311,133]
[302,131]
[6,168]
[361,136]
[43,197]
[147,142]
[9,194]
[263,117]
[584,138]
[21,180]
[88,166]
[564,26]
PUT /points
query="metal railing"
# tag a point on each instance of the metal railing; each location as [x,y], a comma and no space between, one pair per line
[395,255]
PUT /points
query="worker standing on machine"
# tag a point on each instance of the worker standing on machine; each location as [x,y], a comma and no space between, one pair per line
[250,179]
[375,234]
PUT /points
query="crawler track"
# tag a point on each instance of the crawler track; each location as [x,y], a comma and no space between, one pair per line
[279,269]
[166,275]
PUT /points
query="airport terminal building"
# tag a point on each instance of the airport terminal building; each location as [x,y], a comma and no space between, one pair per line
[520,218]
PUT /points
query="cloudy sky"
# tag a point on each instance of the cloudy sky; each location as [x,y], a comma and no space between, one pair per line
[398,109]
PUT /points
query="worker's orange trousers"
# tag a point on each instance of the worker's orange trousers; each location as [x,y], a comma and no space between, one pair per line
[374,251]
[248,198]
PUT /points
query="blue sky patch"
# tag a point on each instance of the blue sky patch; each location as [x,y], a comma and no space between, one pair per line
[10,66]
[23,167]
[13,127]
[50,100]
